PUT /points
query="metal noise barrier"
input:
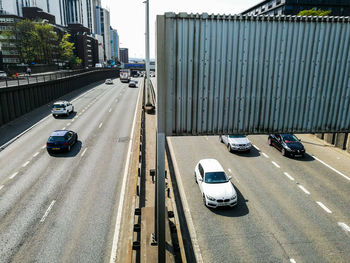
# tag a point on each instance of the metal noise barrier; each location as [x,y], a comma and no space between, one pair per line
[222,74]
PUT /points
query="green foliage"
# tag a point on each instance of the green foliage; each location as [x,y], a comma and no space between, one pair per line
[66,47]
[78,61]
[314,12]
[74,62]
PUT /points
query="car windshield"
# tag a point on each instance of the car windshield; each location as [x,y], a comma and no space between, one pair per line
[237,136]
[56,139]
[215,177]
[58,106]
[289,138]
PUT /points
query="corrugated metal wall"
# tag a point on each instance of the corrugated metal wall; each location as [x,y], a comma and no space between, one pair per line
[237,74]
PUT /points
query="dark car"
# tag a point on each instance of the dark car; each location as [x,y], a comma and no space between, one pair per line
[288,144]
[61,140]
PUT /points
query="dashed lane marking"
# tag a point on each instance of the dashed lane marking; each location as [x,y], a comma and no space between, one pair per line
[275,164]
[288,175]
[110,110]
[100,125]
[344,226]
[83,152]
[1,186]
[292,260]
[13,175]
[43,147]
[325,208]
[35,154]
[68,124]
[26,163]
[63,128]
[265,155]
[304,189]
[47,211]
[256,147]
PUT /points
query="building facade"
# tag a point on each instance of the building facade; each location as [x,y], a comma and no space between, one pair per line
[124,55]
[114,45]
[293,7]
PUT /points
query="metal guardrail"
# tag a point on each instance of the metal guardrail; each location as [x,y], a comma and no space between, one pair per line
[40,78]
[151,101]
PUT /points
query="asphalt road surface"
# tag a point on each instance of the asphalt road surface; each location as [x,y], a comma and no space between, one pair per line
[289,210]
[62,208]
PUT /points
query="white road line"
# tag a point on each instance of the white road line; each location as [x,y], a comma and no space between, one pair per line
[122,192]
[1,186]
[192,230]
[304,190]
[68,124]
[229,170]
[13,175]
[325,208]
[265,155]
[290,177]
[100,125]
[72,120]
[63,128]
[344,226]
[275,164]
[83,110]
[35,154]
[110,110]
[206,137]
[256,147]
[330,167]
[48,211]
[43,147]
[292,260]
[83,152]
[26,163]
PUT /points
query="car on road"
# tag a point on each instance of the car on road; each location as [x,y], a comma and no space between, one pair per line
[3,74]
[109,81]
[288,144]
[61,140]
[215,186]
[236,142]
[132,84]
[62,108]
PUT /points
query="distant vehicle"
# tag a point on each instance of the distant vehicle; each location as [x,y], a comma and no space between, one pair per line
[288,144]
[236,142]
[61,140]
[98,65]
[62,108]
[3,74]
[132,84]
[215,186]
[124,75]
[109,81]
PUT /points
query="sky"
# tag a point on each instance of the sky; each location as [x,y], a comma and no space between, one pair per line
[128,17]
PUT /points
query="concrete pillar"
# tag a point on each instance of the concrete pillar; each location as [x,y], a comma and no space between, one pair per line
[348,143]
[319,135]
[339,140]
[328,137]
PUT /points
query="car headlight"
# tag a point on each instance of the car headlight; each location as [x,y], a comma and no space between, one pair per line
[233,197]
[249,144]
[287,148]
[211,198]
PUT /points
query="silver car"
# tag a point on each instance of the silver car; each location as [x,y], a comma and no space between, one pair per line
[236,142]
[3,74]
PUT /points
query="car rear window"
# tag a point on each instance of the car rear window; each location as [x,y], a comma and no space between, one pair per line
[58,106]
[56,139]
[215,177]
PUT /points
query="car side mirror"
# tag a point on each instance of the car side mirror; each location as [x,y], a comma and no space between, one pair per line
[200,179]
[299,140]
[229,177]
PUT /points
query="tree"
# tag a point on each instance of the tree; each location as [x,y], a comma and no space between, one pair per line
[314,12]
[66,47]
[46,42]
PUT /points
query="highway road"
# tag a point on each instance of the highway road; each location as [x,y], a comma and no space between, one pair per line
[289,210]
[62,208]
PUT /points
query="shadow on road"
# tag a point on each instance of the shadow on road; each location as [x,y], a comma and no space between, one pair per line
[64,117]
[241,209]
[252,153]
[72,153]
[307,158]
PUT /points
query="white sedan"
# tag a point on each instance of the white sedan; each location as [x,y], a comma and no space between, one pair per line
[215,186]
[236,142]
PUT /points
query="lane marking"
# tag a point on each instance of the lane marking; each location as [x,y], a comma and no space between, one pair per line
[206,137]
[13,175]
[48,211]
[35,154]
[122,192]
[229,170]
[256,147]
[110,109]
[26,163]
[290,177]
[1,186]
[275,164]
[191,228]
[68,124]
[304,189]
[72,120]
[265,155]
[43,147]
[344,226]
[292,260]
[325,208]
[100,125]
[63,128]
[84,152]
[330,167]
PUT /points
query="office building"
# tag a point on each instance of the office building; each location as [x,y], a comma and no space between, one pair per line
[124,55]
[114,45]
[293,7]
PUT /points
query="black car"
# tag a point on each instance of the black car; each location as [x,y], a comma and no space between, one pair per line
[61,140]
[288,144]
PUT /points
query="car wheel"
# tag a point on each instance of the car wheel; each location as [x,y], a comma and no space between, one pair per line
[195,178]
[72,109]
[283,151]
[67,113]
[68,149]
[76,140]
[204,201]
[269,142]
[54,116]
[229,148]
[221,139]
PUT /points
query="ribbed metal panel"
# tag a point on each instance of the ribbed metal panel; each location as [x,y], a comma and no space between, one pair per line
[263,74]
